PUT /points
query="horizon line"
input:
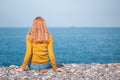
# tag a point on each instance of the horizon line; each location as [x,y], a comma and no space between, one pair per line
[63,26]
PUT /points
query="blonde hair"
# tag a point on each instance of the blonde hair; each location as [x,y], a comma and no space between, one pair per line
[38,32]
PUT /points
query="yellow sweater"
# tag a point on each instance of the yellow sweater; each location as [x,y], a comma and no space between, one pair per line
[37,53]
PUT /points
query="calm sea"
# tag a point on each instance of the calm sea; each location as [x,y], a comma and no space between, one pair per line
[71,45]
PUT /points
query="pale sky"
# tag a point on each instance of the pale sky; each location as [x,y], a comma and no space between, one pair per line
[60,13]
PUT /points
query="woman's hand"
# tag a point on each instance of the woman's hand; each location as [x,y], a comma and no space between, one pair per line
[19,69]
[60,70]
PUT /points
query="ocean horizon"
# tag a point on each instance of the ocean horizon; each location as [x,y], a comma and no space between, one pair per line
[71,45]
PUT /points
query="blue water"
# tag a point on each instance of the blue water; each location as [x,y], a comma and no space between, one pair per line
[71,45]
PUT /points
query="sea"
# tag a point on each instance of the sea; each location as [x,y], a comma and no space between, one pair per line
[71,45]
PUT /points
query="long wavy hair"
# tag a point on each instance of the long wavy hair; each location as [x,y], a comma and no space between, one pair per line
[38,32]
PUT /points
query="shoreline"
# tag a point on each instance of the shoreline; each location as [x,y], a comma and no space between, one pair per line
[94,71]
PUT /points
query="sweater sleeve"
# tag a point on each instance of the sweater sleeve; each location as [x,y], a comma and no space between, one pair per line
[51,54]
[27,54]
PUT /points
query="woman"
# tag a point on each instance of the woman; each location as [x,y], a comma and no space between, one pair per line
[39,48]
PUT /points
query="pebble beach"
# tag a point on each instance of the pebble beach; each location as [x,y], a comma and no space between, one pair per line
[94,71]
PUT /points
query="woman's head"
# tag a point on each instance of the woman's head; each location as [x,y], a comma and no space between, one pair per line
[38,32]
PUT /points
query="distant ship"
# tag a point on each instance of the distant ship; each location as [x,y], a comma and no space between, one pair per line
[73,27]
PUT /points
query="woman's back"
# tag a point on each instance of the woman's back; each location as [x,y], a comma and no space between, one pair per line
[40,52]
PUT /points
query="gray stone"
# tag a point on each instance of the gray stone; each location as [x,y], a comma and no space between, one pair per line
[93,71]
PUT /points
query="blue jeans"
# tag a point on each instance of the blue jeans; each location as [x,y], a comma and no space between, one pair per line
[39,66]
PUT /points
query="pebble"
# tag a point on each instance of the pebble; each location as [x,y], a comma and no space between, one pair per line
[94,71]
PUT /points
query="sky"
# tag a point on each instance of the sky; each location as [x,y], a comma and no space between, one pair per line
[60,13]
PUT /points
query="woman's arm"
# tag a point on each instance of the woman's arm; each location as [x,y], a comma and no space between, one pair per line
[52,57]
[51,53]
[27,54]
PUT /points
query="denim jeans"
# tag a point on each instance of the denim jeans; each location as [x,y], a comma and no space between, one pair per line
[39,66]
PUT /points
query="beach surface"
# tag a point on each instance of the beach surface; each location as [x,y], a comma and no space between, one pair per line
[94,71]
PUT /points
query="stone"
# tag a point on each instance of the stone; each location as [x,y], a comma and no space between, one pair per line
[93,71]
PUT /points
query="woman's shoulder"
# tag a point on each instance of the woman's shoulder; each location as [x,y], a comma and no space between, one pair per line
[28,38]
[50,36]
